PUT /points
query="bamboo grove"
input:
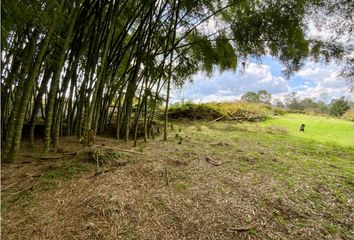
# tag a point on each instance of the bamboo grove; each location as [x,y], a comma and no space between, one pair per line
[77,65]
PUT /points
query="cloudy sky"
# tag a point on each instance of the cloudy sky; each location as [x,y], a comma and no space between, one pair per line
[312,80]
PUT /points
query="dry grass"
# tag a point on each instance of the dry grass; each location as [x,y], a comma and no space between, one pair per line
[133,202]
[276,130]
[201,201]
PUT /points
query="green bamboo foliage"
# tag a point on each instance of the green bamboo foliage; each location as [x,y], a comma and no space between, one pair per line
[11,126]
[38,102]
[28,87]
[55,83]
[104,65]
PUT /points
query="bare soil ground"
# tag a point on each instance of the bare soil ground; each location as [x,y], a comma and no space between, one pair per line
[222,182]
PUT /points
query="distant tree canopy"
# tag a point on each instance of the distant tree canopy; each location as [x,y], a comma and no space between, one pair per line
[250,97]
[293,102]
[261,97]
[81,64]
[278,103]
[335,18]
[339,106]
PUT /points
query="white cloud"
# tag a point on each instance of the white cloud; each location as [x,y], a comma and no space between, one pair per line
[312,80]
[326,78]
[318,72]
[228,85]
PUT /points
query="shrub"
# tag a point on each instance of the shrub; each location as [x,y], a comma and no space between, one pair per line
[279,111]
[249,111]
[339,107]
[296,111]
[193,112]
[349,115]
[228,110]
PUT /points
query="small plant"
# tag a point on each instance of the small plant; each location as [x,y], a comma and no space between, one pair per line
[102,156]
[65,171]
[180,186]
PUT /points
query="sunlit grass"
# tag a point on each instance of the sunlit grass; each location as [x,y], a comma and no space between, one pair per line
[318,128]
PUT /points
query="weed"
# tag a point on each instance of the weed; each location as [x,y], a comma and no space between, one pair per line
[65,171]
[180,186]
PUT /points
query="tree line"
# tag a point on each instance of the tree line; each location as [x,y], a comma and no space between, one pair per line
[336,107]
[321,105]
[85,64]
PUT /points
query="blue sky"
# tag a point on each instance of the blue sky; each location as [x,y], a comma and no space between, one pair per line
[312,80]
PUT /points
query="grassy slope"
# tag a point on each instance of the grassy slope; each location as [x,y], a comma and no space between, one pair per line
[293,187]
[304,183]
[318,128]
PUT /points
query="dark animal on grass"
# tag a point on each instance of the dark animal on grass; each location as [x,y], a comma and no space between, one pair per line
[302,128]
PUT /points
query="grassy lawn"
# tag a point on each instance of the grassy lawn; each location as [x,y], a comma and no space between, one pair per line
[283,183]
[318,128]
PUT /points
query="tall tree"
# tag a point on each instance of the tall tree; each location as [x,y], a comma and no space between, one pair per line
[87,62]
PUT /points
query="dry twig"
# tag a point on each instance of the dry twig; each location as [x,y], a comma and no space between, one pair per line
[166,176]
[22,190]
[245,227]
[119,149]
[51,157]
[23,179]
[212,161]
[217,119]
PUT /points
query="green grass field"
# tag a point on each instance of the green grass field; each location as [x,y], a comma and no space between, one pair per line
[222,176]
[318,128]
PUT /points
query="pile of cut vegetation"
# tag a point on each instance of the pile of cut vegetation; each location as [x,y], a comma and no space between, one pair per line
[349,115]
[231,111]
[191,111]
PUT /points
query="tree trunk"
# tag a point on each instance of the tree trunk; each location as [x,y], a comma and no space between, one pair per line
[12,123]
[170,71]
[29,85]
[38,102]
[55,83]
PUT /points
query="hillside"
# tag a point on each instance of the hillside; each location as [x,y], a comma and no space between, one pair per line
[224,181]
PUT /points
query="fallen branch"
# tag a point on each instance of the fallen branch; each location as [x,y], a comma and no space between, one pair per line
[119,149]
[176,161]
[212,162]
[51,157]
[22,190]
[23,179]
[166,176]
[236,118]
[102,172]
[217,119]
[245,227]
[220,144]
[74,153]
